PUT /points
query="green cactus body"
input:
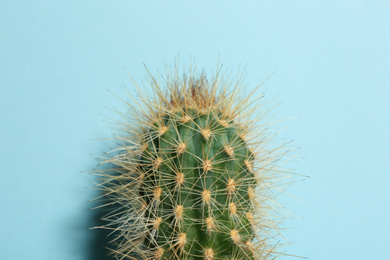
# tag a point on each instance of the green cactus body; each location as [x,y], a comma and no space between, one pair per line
[196,186]
[186,176]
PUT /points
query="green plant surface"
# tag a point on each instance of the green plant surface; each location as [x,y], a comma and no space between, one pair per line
[194,175]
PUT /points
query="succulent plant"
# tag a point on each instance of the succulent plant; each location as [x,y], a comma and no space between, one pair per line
[194,174]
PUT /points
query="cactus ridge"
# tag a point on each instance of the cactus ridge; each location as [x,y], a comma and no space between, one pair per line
[191,178]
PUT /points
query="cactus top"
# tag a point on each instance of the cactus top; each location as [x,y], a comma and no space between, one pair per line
[193,176]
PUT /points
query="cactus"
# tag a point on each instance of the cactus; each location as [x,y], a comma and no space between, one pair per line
[193,175]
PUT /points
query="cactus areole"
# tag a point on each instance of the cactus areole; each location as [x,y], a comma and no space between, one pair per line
[194,175]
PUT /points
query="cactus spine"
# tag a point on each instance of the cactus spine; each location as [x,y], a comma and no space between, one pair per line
[193,176]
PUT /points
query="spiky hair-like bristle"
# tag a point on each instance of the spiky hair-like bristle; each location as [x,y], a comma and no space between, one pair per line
[194,176]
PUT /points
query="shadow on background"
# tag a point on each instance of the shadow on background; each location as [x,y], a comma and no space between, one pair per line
[99,241]
[99,246]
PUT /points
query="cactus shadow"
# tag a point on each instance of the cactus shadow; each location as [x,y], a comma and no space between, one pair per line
[97,248]
[99,244]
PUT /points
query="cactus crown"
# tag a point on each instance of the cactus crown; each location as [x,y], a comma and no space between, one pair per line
[194,174]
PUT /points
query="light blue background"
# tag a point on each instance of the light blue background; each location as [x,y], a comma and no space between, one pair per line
[331,64]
